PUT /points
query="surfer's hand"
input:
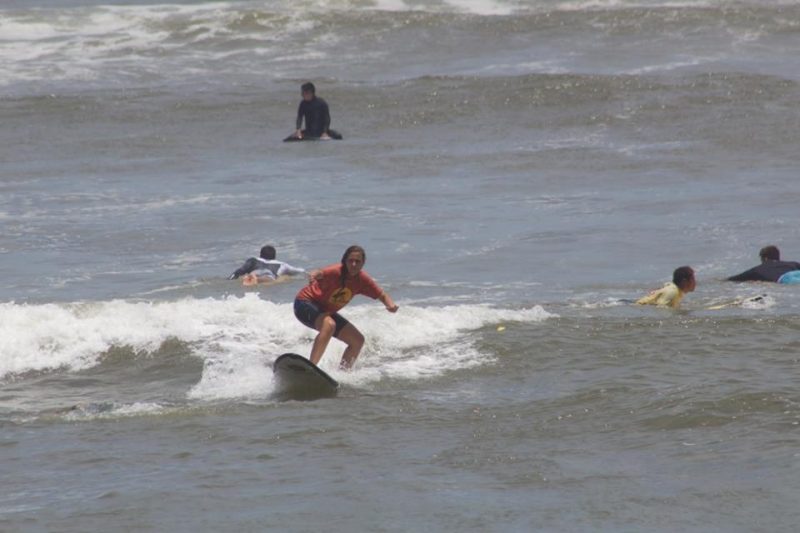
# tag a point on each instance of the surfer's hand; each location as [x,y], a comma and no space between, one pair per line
[314,275]
[388,303]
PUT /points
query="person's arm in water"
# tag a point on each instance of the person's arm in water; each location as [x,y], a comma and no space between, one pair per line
[248,266]
[288,270]
[299,123]
[667,296]
[650,298]
[279,271]
[387,301]
[747,275]
[675,300]
[326,121]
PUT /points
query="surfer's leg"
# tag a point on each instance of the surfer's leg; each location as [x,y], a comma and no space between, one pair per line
[326,327]
[354,340]
[310,315]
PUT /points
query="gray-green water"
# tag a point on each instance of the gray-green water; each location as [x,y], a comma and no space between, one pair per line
[518,164]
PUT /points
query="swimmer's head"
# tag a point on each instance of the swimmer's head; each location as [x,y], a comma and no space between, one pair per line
[683,277]
[268,252]
[308,90]
[769,253]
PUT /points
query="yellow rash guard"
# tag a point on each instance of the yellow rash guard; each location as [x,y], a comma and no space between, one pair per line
[669,296]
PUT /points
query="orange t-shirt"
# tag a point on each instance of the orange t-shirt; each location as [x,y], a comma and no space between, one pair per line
[329,294]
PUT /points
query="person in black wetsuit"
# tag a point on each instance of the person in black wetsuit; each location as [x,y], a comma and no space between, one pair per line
[770,269]
[314,110]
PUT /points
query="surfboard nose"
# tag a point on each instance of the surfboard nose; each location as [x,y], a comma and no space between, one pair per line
[297,378]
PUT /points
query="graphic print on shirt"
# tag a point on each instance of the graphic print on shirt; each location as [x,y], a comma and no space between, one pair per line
[340,297]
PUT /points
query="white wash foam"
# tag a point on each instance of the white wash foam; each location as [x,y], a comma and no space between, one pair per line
[481,7]
[81,42]
[239,337]
[414,343]
[75,336]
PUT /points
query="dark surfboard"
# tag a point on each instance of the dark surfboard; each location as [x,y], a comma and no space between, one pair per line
[297,378]
[335,136]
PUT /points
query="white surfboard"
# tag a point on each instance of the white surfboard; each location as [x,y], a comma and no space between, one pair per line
[297,378]
[738,302]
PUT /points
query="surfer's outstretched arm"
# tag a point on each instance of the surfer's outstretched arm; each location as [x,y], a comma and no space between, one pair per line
[248,266]
[387,301]
[288,270]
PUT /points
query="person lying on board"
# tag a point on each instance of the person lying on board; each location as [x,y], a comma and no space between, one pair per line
[771,268]
[314,110]
[265,269]
[671,294]
[330,289]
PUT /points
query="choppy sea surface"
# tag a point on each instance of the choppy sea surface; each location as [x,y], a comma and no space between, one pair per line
[516,170]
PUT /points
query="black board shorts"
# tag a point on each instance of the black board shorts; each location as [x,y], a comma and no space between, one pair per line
[307,312]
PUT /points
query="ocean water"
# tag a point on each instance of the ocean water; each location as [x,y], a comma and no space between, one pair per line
[516,170]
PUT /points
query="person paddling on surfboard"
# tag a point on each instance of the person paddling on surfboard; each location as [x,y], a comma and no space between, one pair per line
[671,294]
[330,289]
[265,268]
[771,267]
[314,110]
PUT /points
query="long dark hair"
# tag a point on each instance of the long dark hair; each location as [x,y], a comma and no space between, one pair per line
[350,250]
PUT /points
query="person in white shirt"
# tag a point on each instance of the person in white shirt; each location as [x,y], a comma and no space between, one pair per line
[265,268]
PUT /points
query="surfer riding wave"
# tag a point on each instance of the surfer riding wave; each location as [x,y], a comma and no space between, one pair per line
[330,289]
